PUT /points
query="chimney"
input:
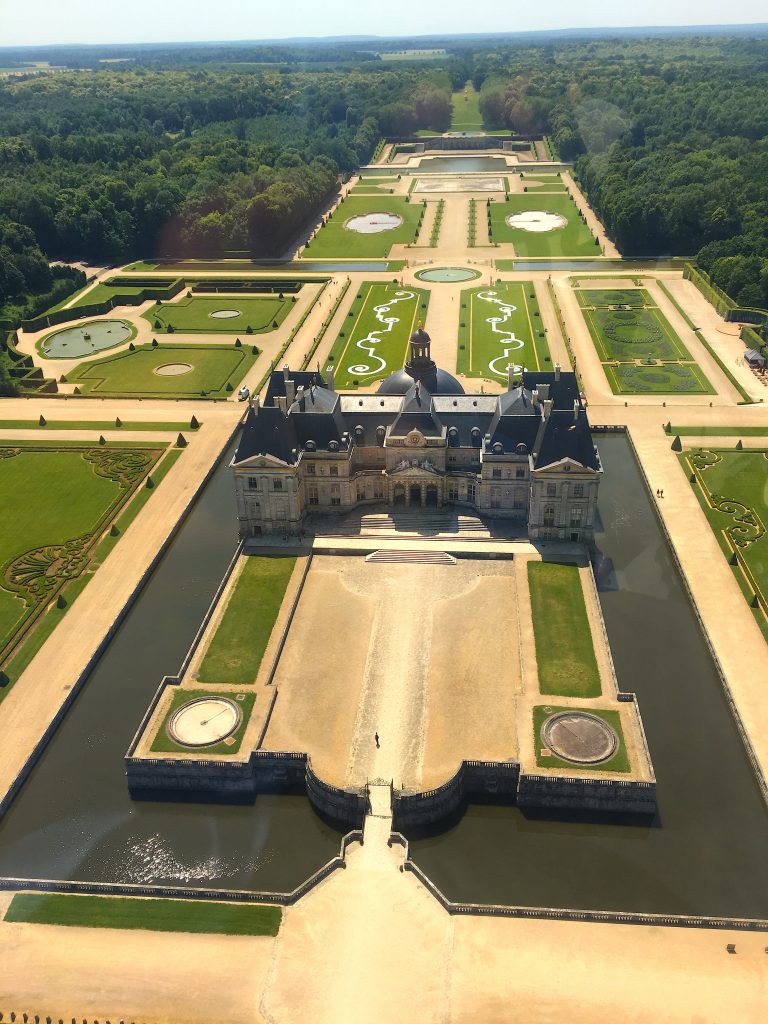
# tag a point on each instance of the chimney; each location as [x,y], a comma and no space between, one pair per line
[286,372]
[329,379]
[548,408]
[535,396]
[290,391]
[282,405]
[300,393]
[255,404]
[557,371]
[575,410]
[543,392]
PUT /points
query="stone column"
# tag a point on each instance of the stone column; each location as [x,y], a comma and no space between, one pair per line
[423,495]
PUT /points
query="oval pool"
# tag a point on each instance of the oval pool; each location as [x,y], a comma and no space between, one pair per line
[86,339]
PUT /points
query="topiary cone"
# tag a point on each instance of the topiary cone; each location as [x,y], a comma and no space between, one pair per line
[150,483]
[181,441]
[42,421]
[677,444]
[194,423]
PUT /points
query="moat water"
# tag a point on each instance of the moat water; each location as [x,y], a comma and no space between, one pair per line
[705,854]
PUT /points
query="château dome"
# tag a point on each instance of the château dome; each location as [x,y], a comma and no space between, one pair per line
[422,368]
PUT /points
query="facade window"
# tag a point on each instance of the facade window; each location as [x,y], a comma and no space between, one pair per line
[311,469]
[496,473]
[312,495]
[519,502]
[471,492]
[334,470]
[277,484]
[549,515]
[495,498]
[551,490]
[520,473]
[335,495]
[378,489]
[576,514]
[360,492]
[253,483]
[453,492]
[578,490]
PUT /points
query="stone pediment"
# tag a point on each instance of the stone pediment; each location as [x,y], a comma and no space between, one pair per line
[406,470]
[261,462]
[563,466]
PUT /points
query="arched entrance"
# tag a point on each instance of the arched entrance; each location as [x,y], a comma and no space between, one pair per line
[432,495]
[415,494]
[398,495]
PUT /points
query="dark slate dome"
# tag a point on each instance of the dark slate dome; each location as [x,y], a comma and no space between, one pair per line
[420,367]
[435,380]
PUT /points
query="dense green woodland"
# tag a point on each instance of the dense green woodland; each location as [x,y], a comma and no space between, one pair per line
[669,136]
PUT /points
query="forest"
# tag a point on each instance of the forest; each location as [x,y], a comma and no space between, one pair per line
[169,154]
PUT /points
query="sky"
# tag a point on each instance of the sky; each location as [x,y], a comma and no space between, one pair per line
[39,22]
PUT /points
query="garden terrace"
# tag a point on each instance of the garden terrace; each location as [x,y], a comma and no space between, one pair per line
[61,500]
[730,485]
[207,371]
[334,239]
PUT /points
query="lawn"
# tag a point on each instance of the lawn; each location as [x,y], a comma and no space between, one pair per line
[156,915]
[230,745]
[260,313]
[335,241]
[565,652]
[618,763]
[711,431]
[466,116]
[237,647]
[58,500]
[575,239]
[374,341]
[216,370]
[732,490]
[500,325]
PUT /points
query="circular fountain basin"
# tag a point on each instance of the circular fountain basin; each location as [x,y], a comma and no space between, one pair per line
[173,369]
[579,737]
[204,721]
[448,275]
[224,314]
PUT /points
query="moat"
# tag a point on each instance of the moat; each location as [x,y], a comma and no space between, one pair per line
[703,855]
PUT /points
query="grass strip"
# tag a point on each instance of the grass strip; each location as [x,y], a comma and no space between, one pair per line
[565,652]
[93,425]
[238,645]
[717,431]
[156,915]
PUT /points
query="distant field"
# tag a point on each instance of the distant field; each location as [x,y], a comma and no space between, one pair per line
[574,239]
[191,315]
[412,55]
[500,325]
[466,116]
[374,339]
[213,368]
[336,241]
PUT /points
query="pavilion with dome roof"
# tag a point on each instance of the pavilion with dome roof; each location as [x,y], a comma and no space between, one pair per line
[419,441]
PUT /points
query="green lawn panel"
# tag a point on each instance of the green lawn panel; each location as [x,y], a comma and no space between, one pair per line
[334,241]
[132,912]
[575,239]
[565,652]
[485,348]
[193,314]
[376,334]
[238,645]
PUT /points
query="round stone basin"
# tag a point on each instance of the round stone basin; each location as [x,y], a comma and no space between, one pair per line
[224,314]
[537,220]
[204,721]
[373,223]
[173,369]
[448,275]
[85,339]
[579,737]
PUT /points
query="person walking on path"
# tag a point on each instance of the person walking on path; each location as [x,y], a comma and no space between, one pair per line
[376,740]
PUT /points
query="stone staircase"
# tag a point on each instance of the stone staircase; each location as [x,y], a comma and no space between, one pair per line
[420,524]
[412,557]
